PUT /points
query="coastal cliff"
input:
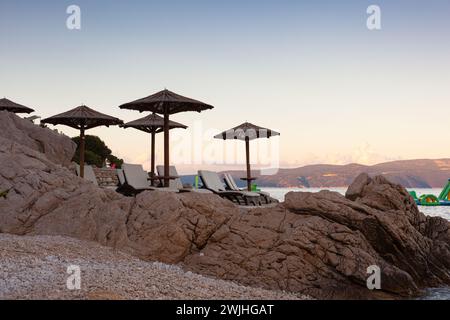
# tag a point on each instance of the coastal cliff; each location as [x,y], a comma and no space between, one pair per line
[317,244]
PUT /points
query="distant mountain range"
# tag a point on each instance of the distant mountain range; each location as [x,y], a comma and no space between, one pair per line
[409,173]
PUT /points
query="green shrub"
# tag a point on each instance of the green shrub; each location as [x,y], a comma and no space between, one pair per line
[96,152]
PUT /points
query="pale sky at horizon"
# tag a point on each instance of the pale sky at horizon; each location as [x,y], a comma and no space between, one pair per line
[337,92]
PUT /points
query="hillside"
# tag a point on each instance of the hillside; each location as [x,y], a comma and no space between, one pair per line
[409,173]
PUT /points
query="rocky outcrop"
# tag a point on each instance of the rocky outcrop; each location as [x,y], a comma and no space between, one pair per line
[46,198]
[322,244]
[319,244]
[57,147]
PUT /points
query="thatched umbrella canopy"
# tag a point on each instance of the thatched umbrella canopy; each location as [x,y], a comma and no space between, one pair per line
[166,103]
[11,106]
[82,118]
[247,132]
[152,124]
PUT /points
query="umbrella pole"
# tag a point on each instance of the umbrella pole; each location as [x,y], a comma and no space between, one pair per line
[152,162]
[166,150]
[247,153]
[82,147]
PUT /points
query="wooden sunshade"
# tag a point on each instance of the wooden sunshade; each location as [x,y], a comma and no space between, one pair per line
[82,118]
[11,106]
[152,124]
[166,103]
[246,132]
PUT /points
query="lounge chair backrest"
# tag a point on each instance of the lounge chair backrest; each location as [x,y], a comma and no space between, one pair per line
[230,182]
[174,183]
[120,176]
[135,176]
[211,180]
[234,182]
[88,174]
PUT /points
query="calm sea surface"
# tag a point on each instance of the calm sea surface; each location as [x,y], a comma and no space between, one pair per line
[432,293]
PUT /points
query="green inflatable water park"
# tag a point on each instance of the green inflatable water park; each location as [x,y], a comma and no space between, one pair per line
[430,200]
[444,197]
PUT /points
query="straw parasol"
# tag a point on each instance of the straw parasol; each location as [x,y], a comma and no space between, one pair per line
[166,103]
[246,132]
[11,106]
[82,118]
[152,124]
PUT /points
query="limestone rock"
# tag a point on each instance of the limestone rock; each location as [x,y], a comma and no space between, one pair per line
[318,244]
[58,148]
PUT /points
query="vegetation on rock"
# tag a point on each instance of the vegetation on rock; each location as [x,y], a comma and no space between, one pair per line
[97,152]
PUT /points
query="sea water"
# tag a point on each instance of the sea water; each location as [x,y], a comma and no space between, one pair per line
[444,212]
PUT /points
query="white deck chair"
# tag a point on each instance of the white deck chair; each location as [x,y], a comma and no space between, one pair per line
[173,183]
[136,177]
[212,182]
[121,177]
[177,183]
[88,173]
[231,183]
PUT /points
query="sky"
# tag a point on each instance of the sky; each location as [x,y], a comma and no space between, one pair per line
[336,91]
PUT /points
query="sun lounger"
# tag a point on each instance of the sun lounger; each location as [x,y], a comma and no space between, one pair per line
[231,184]
[134,178]
[88,174]
[123,187]
[177,183]
[212,182]
[173,183]
[120,177]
